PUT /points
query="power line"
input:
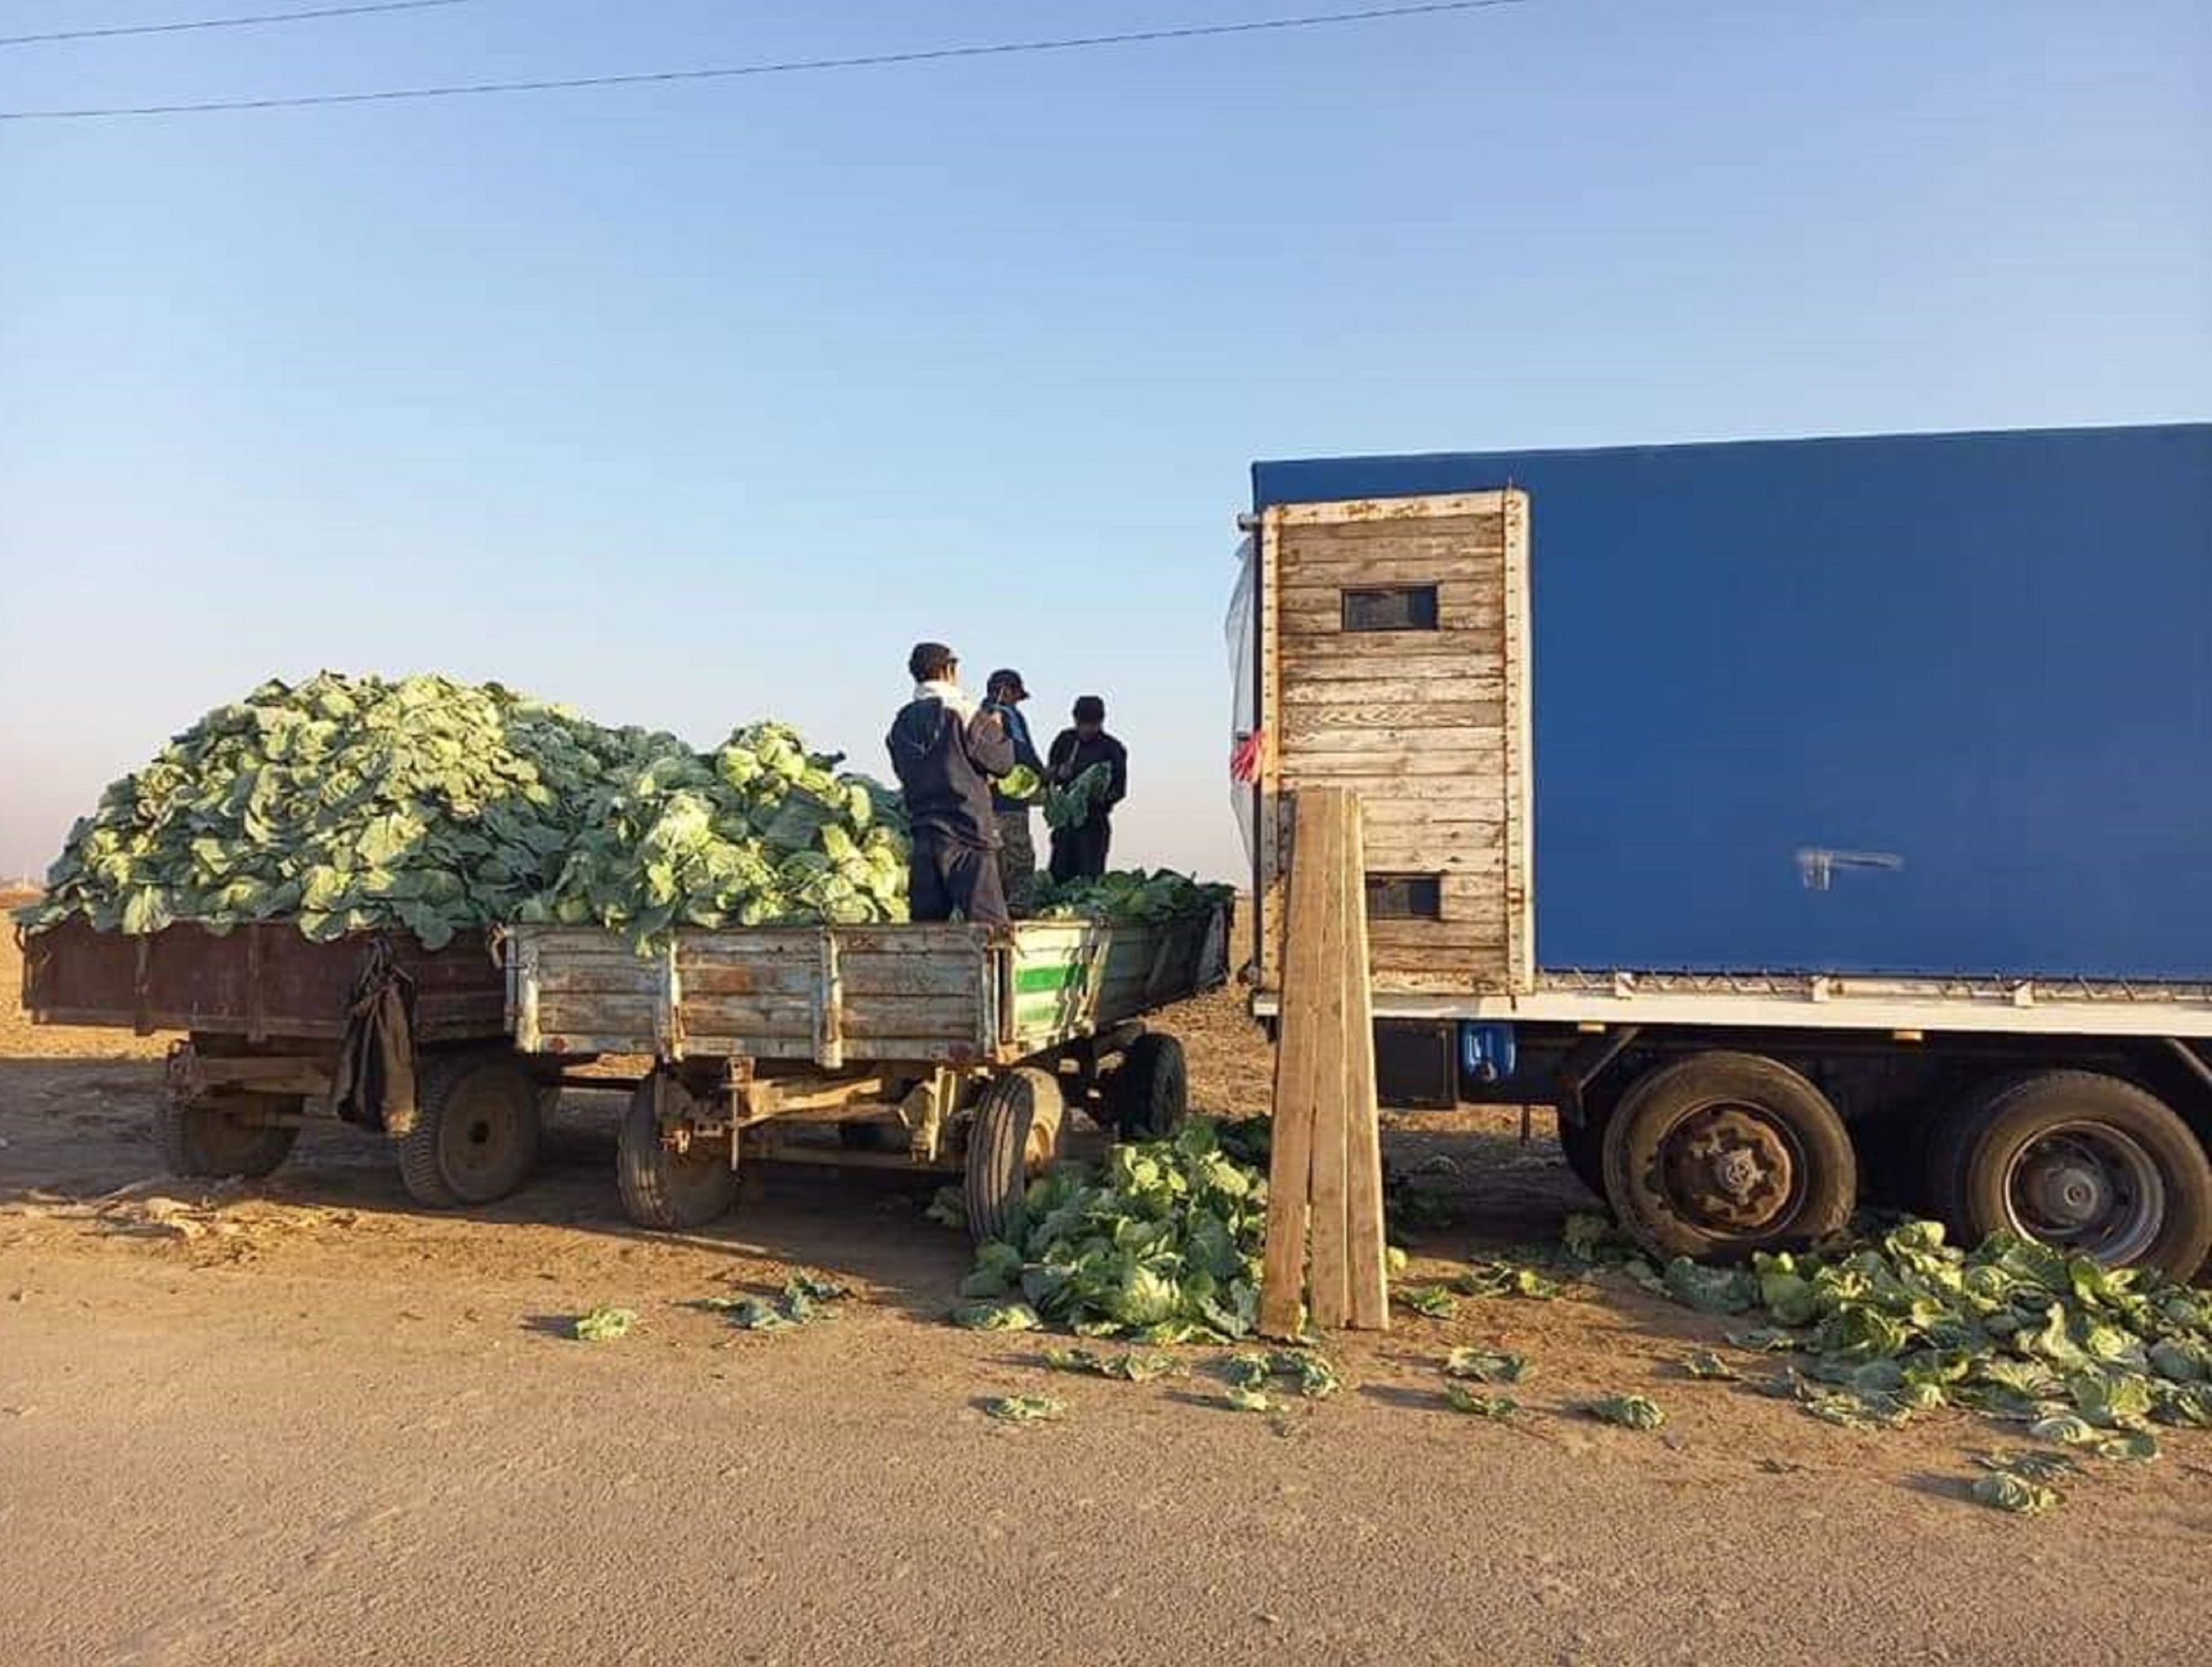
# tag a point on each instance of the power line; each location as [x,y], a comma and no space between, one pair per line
[253,20]
[794,66]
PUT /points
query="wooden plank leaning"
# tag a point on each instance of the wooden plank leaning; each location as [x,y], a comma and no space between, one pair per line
[1325,1174]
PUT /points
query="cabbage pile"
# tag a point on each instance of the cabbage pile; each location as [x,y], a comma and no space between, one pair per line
[344,805]
[357,804]
[2081,1354]
[1161,1242]
[1130,895]
[759,832]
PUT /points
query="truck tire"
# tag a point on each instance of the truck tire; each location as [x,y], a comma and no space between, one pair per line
[1014,1136]
[2080,1161]
[205,1142]
[476,1130]
[1722,1154]
[1151,1092]
[662,1189]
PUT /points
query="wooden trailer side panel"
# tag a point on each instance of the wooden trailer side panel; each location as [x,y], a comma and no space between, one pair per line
[257,983]
[824,995]
[1076,977]
[1395,663]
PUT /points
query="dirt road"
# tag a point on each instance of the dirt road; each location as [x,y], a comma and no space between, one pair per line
[304,1422]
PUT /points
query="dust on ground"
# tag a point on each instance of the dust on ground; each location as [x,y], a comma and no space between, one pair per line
[304,1419]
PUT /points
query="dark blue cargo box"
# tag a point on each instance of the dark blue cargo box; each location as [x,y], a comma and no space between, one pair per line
[1907,703]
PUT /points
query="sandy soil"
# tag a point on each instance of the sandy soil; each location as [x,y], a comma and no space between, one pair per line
[303,1420]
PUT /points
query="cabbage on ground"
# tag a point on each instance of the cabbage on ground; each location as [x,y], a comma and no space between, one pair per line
[1160,1241]
[2015,1330]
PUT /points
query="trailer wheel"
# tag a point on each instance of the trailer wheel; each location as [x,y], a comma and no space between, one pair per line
[1723,1153]
[2082,1162]
[205,1140]
[664,1189]
[1151,1092]
[1014,1136]
[476,1130]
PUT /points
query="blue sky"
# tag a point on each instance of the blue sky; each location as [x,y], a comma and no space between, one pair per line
[690,404]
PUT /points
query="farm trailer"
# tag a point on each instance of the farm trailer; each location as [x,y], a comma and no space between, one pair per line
[939,1047]
[1860,787]
[264,1010]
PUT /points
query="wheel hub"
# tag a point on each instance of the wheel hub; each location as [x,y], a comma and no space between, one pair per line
[1731,1167]
[2088,1187]
[2067,1192]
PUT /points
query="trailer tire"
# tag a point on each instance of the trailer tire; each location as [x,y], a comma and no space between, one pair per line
[1721,1154]
[2083,1162]
[1151,1092]
[203,1141]
[662,1189]
[1015,1134]
[475,1132]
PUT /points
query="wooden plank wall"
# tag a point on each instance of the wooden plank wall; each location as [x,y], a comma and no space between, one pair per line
[1430,727]
[903,993]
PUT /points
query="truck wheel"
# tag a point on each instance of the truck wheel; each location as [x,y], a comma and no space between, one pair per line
[1151,1094]
[2082,1162]
[475,1135]
[205,1140]
[661,1187]
[1014,1135]
[1722,1154]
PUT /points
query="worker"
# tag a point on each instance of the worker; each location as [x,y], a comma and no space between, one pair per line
[1079,852]
[947,751]
[1003,696]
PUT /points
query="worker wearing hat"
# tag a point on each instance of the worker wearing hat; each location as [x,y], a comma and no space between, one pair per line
[947,751]
[1003,694]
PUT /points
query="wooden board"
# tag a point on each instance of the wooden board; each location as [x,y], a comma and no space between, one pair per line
[1300,1057]
[1325,1175]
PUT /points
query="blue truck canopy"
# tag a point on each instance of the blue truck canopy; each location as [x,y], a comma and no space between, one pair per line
[1986,656]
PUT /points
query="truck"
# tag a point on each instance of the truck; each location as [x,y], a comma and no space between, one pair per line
[1809,823]
[947,1048]
[264,1012]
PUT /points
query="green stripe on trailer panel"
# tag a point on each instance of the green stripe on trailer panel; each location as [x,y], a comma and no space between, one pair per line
[1049,976]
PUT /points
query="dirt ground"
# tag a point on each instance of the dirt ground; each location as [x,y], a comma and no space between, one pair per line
[303,1420]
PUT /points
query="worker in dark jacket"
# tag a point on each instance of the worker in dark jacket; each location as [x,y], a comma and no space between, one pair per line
[1003,696]
[1079,852]
[946,751]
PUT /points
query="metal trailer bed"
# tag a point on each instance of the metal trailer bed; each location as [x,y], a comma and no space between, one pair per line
[264,1011]
[935,1046]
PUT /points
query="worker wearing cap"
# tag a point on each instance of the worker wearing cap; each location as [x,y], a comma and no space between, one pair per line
[946,751]
[1079,852]
[1002,694]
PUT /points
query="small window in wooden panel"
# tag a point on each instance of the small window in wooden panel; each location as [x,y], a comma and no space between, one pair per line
[1390,608]
[1404,897]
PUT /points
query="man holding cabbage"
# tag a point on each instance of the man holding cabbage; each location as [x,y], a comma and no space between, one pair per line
[1010,797]
[947,751]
